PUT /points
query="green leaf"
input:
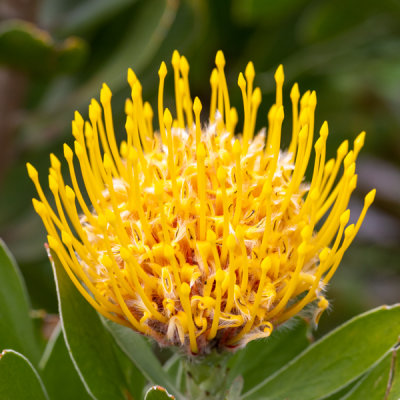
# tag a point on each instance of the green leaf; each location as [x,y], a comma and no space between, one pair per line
[135,380]
[394,382]
[235,389]
[89,343]
[265,11]
[71,55]
[21,41]
[374,384]
[18,378]
[342,392]
[137,348]
[325,20]
[16,327]
[334,361]
[157,393]
[261,358]
[148,30]
[86,15]
[174,367]
[57,371]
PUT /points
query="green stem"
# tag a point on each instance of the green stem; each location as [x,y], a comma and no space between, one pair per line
[206,377]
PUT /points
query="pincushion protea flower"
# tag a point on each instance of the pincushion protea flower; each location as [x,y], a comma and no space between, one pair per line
[196,236]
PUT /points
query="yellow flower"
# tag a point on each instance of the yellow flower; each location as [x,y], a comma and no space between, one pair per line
[198,237]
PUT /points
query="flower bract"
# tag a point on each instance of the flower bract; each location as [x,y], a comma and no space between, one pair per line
[199,234]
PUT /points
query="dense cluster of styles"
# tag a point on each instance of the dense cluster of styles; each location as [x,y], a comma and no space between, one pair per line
[193,234]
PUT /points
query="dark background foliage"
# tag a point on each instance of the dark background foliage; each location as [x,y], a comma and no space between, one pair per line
[55,54]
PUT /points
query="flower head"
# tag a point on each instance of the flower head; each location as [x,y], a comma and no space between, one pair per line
[196,236]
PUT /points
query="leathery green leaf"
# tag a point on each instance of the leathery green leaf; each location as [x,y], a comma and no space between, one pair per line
[344,391]
[16,327]
[334,361]
[135,380]
[90,345]
[88,14]
[137,348]
[376,383]
[393,392]
[57,371]
[157,393]
[21,41]
[261,358]
[18,378]
[174,367]
[148,30]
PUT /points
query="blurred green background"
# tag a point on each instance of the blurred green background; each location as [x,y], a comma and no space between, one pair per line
[55,54]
